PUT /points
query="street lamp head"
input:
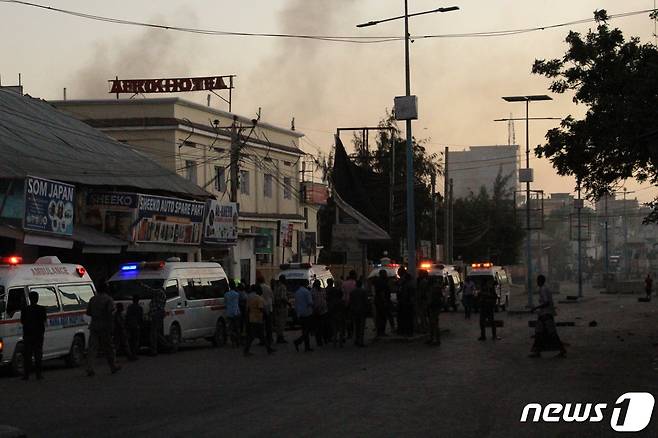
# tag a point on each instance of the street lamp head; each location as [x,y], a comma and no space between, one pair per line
[369,23]
[532,98]
[448,9]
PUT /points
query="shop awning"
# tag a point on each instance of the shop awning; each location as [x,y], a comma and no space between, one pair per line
[97,242]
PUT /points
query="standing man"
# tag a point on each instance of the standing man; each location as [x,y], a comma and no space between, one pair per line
[648,286]
[100,310]
[434,309]
[336,307]
[468,295]
[256,315]
[281,305]
[156,315]
[546,337]
[120,333]
[33,318]
[359,310]
[405,304]
[268,296]
[232,302]
[488,298]
[382,302]
[134,321]
[422,300]
[321,313]
[347,287]
[304,311]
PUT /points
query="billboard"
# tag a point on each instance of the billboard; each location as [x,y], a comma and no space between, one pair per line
[168,220]
[221,222]
[170,85]
[49,206]
[264,242]
[285,233]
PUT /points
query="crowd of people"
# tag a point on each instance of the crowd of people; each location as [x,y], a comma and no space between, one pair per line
[333,315]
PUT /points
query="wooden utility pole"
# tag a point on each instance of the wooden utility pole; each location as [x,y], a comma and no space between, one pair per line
[433,249]
[235,160]
[446,206]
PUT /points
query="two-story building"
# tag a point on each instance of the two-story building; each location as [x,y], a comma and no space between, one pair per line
[274,224]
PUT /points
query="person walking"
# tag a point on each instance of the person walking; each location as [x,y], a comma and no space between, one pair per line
[468,295]
[382,302]
[320,313]
[304,312]
[256,317]
[546,337]
[359,310]
[648,286]
[120,333]
[242,303]
[336,307]
[488,300]
[33,319]
[100,309]
[268,296]
[434,306]
[134,321]
[281,305]
[232,302]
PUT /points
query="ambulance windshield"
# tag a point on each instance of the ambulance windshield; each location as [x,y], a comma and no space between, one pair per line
[124,290]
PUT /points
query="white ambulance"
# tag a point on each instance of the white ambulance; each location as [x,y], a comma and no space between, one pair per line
[480,273]
[194,291]
[64,290]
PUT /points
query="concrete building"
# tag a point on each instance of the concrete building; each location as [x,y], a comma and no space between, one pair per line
[479,166]
[275,225]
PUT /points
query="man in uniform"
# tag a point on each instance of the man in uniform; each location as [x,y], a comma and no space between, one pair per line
[134,321]
[33,318]
[100,309]
[281,309]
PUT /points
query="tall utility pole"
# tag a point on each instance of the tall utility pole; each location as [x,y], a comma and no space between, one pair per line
[579,209]
[391,192]
[627,264]
[451,237]
[525,175]
[411,217]
[235,160]
[607,256]
[446,206]
[433,249]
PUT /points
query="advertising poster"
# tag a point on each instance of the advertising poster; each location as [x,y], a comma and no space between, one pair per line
[168,220]
[264,241]
[285,233]
[111,212]
[221,224]
[49,206]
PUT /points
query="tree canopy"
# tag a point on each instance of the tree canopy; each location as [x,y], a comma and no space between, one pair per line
[617,79]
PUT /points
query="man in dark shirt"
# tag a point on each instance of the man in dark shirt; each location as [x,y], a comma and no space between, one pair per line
[382,302]
[359,309]
[33,318]
[100,309]
[336,306]
[134,320]
[488,298]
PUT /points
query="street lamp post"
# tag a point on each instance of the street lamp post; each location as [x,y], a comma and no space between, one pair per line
[527,178]
[411,218]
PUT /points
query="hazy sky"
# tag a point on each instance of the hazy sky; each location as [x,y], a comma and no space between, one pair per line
[323,85]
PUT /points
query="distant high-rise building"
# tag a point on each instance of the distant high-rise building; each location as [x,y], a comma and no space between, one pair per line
[479,166]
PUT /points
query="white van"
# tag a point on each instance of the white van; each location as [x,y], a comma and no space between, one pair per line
[304,273]
[451,280]
[482,272]
[194,291]
[64,290]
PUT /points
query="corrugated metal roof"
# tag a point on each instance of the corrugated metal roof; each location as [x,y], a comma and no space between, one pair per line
[37,139]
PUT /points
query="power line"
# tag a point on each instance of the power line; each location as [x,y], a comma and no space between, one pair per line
[355,39]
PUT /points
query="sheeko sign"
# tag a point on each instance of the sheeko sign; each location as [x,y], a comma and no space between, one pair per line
[49,206]
[170,85]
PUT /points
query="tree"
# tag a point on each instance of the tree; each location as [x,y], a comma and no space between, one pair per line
[618,82]
[485,226]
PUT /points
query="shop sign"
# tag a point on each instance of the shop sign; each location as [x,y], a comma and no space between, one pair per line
[264,242]
[168,220]
[49,206]
[221,224]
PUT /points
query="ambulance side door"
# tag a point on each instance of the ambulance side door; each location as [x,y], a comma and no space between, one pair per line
[53,341]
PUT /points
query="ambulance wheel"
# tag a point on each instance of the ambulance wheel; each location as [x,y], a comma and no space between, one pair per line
[17,365]
[76,353]
[174,338]
[220,338]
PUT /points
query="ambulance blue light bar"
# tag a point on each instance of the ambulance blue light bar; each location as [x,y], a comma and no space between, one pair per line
[129,267]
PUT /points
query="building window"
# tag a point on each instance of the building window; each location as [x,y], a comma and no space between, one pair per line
[244,182]
[220,179]
[287,163]
[267,186]
[190,170]
[287,187]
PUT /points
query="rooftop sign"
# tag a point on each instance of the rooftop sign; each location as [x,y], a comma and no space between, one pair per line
[170,85]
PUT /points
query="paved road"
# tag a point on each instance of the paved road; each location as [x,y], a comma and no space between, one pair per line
[463,388]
